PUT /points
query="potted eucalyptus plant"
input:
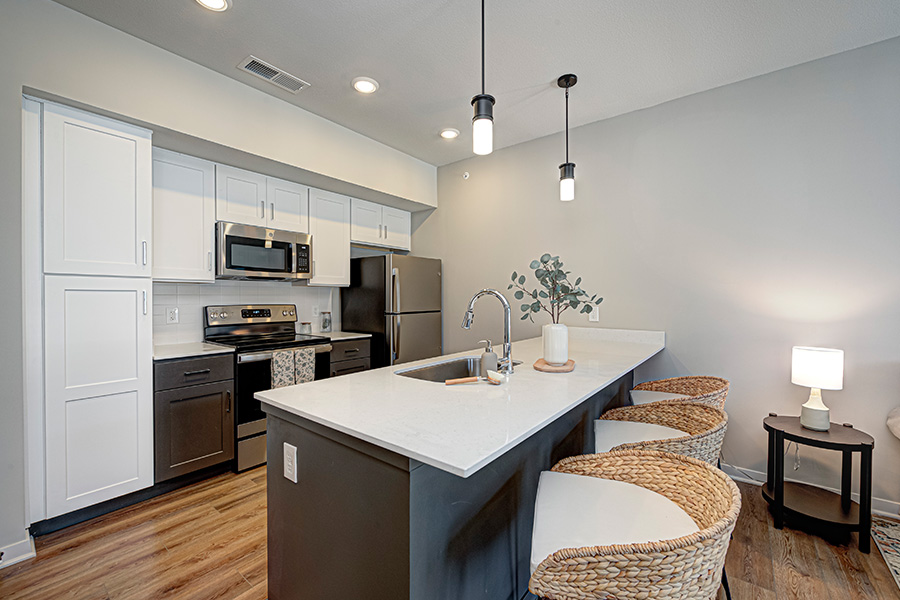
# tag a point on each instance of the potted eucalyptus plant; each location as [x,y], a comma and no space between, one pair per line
[558,295]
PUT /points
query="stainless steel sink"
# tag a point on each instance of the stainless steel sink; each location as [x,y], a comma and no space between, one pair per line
[442,371]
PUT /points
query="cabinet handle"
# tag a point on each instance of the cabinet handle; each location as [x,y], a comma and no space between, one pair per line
[209,261]
[144,294]
[200,372]
[351,350]
[385,232]
[273,211]
[379,230]
[262,208]
[144,251]
[228,399]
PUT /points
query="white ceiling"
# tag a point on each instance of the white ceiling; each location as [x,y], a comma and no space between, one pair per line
[425,54]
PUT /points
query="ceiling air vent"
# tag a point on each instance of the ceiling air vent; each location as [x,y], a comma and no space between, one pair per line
[273,75]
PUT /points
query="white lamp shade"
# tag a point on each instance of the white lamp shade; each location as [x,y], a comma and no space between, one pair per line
[482,136]
[821,368]
[566,189]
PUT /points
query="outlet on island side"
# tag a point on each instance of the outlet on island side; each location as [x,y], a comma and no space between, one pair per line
[290,462]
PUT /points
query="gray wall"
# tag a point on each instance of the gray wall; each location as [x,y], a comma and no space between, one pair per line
[742,221]
[59,52]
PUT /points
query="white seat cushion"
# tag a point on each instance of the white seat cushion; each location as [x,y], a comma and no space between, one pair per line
[646,396]
[609,434]
[572,511]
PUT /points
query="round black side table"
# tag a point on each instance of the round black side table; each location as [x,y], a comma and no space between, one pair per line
[805,502]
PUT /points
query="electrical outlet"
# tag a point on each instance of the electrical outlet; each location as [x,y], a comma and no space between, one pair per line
[290,462]
[315,311]
[172,314]
[594,315]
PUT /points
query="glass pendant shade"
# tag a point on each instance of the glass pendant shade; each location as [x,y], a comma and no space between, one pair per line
[567,182]
[483,124]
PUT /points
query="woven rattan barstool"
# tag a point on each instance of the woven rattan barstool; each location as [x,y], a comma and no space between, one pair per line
[703,426]
[696,388]
[683,568]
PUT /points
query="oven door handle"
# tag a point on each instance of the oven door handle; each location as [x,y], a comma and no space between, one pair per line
[260,356]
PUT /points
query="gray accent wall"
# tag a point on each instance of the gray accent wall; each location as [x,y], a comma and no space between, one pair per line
[742,221]
[61,54]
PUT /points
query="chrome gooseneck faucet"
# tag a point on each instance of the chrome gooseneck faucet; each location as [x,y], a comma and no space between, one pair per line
[506,362]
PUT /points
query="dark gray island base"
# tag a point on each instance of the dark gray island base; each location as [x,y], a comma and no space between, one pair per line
[365,523]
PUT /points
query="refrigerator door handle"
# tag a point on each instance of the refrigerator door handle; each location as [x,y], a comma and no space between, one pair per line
[396,340]
[395,280]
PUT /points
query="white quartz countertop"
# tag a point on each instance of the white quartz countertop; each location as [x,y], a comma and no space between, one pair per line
[187,350]
[340,336]
[461,428]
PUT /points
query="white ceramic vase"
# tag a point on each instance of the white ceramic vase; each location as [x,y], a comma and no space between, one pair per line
[556,344]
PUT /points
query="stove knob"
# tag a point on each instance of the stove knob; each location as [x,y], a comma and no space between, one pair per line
[284,313]
[223,315]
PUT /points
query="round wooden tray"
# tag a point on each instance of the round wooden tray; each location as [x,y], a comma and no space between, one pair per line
[542,365]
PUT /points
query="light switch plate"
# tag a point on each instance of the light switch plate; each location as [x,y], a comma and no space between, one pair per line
[290,462]
[594,315]
[172,314]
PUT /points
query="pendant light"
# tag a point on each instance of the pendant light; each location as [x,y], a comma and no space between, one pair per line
[567,169]
[483,121]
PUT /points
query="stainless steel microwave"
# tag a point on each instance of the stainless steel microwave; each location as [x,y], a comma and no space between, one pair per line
[248,252]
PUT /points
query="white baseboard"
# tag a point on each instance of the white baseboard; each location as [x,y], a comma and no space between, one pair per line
[17,552]
[880,506]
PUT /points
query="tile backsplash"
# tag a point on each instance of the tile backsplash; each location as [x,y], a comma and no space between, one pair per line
[190,298]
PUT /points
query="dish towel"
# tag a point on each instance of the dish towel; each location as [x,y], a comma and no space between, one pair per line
[282,368]
[304,365]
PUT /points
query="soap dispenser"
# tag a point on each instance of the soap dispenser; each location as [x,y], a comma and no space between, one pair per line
[488,358]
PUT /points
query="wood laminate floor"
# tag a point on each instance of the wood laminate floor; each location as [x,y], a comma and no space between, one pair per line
[208,542]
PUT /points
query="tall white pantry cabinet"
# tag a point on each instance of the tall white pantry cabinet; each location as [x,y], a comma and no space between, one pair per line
[98,348]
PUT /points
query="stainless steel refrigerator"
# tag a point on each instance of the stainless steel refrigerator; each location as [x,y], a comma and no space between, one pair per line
[397,299]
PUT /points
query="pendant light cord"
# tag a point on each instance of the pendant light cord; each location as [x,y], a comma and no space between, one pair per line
[482,47]
[567,124]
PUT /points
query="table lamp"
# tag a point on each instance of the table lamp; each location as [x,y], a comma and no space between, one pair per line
[818,369]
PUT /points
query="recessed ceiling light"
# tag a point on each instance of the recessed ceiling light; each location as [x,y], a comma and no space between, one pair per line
[365,85]
[449,133]
[216,5]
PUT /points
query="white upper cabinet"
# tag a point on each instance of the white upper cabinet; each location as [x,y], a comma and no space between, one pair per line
[288,205]
[97,195]
[329,220]
[378,225]
[253,199]
[240,196]
[365,222]
[99,399]
[396,227]
[184,217]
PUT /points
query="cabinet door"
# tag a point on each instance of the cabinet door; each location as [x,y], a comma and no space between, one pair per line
[97,195]
[365,222]
[240,196]
[329,220]
[396,225]
[99,398]
[288,205]
[184,217]
[193,428]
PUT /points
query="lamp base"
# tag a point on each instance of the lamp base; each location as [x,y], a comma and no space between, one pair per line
[814,414]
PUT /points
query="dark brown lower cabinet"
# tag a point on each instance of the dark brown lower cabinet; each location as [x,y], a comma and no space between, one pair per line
[193,428]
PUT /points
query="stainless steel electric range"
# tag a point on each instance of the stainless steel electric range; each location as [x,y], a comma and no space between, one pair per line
[255,331]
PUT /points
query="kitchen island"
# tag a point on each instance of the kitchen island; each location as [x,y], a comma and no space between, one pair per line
[413,489]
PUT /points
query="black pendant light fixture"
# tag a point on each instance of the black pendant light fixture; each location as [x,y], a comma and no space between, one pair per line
[483,121]
[567,169]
